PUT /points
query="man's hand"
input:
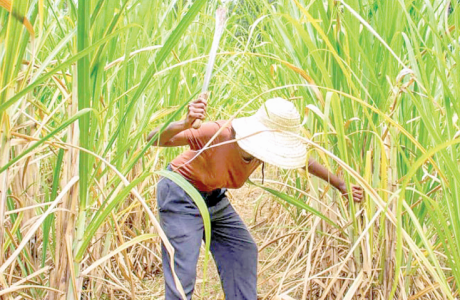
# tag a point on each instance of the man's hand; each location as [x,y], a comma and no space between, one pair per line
[320,171]
[196,110]
[173,135]
[357,192]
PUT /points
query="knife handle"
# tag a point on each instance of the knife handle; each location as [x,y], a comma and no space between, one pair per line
[197,124]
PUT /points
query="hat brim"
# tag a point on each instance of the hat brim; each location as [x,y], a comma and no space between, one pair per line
[282,149]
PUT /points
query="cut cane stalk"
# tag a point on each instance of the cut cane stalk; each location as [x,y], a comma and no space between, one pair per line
[221,17]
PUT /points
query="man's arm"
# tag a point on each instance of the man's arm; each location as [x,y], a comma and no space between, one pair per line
[173,134]
[322,172]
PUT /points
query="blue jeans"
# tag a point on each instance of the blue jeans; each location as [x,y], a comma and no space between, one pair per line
[232,246]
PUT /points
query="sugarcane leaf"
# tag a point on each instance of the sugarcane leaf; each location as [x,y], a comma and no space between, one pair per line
[199,201]
[296,202]
[172,40]
[6,4]
[49,220]
[60,67]
[103,213]
[126,245]
[47,137]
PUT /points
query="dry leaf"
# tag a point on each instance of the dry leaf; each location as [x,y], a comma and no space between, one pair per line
[283,297]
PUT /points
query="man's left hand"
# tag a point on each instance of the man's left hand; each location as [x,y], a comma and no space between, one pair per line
[357,192]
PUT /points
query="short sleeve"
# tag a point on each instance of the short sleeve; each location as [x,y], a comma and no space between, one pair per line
[198,138]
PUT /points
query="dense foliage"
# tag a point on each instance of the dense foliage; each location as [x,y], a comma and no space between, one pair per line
[377,82]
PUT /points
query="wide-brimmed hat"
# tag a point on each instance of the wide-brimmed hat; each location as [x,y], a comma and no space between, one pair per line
[271,134]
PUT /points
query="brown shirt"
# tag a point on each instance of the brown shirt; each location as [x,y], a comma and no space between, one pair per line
[222,166]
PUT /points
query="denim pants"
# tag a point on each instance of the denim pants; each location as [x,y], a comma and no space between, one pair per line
[232,246]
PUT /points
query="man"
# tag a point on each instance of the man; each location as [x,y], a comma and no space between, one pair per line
[268,136]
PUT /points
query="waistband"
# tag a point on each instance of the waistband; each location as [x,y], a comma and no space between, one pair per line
[210,198]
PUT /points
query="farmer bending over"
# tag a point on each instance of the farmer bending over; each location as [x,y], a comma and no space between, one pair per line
[212,172]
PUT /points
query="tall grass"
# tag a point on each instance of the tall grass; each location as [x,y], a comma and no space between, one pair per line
[377,81]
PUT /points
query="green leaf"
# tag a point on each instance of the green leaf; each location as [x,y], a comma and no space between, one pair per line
[199,201]
[60,67]
[49,220]
[172,40]
[50,135]
[297,203]
[102,214]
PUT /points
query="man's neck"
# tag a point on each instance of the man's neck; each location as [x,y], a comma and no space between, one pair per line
[246,156]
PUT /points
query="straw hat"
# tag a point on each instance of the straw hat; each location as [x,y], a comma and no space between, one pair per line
[279,123]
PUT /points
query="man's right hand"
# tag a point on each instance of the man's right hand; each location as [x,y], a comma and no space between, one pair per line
[196,110]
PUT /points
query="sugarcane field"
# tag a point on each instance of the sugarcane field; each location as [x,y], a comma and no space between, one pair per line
[230,149]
